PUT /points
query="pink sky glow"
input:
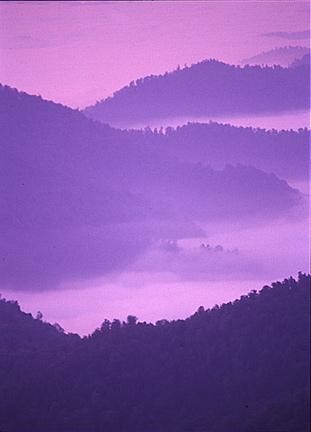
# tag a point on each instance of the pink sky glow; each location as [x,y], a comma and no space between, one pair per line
[79,52]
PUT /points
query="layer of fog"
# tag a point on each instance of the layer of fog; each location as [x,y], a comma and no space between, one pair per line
[280,121]
[258,254]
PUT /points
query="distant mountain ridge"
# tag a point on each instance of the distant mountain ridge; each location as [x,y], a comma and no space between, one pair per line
[206,88]
[284,153]
[305,60]
[282,56]
[242,366]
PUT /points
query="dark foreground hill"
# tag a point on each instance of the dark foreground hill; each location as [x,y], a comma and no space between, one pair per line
[206,88]
[243,366]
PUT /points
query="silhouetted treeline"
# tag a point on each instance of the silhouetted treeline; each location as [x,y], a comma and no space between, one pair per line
[206,88]
[242,366]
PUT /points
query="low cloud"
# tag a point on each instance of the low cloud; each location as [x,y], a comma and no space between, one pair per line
[200,262]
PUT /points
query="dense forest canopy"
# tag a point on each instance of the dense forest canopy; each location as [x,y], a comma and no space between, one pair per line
[207,88]
[240,366]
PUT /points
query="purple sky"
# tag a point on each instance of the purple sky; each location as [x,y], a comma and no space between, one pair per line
[79,52]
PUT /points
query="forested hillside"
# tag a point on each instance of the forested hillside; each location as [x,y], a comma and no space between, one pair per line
[240,366]
[284,152]
[206,88]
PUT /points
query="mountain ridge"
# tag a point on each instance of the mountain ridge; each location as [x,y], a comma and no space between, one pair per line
[207,88]
[253,352]
[282,56]
[98,191]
